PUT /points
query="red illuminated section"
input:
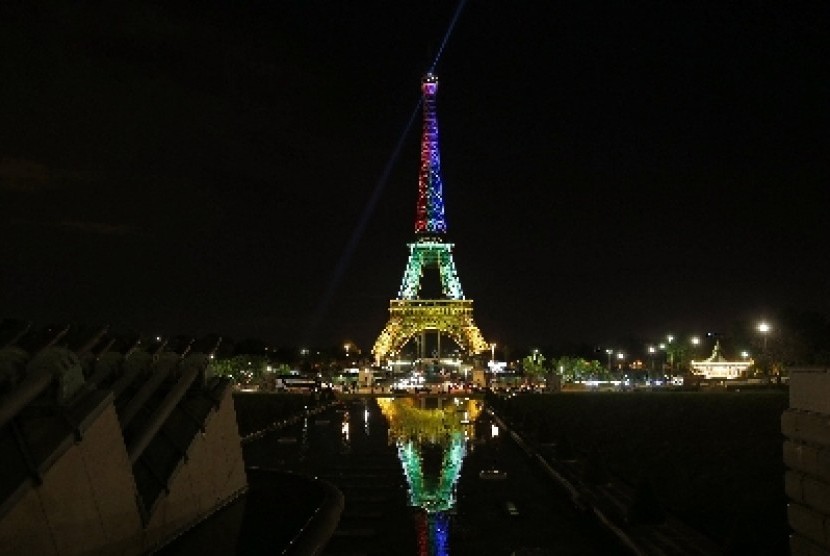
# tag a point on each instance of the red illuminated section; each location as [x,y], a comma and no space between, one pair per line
[429,217]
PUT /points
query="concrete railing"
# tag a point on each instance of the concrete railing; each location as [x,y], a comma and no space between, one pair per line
[806,428]
[194,365]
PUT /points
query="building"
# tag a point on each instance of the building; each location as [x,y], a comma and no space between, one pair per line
[718,367]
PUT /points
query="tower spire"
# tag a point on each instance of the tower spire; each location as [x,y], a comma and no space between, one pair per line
[429,217]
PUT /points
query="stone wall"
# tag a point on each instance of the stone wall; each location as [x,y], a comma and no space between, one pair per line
[87,502]
[806,428]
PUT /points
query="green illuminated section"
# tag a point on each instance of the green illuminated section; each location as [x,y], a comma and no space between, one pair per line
[430,254]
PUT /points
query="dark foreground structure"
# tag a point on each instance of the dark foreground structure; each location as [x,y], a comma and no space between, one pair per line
[806,428]
[107,447]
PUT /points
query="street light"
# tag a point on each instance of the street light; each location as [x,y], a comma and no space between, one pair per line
[492,354]
[670,351]
[651,351]
[609,352]
[695,341]
[764,328]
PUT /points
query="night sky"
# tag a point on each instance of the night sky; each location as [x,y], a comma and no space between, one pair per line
[610,170]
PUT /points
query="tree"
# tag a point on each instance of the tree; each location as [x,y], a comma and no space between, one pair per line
[533,367]
[574,369]
[245,370]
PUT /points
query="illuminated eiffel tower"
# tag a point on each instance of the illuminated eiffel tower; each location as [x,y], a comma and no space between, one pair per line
[409,315]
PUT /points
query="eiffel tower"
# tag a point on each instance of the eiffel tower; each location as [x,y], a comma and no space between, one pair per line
[409,315]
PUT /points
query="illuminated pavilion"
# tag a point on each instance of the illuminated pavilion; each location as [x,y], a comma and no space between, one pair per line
[716,366]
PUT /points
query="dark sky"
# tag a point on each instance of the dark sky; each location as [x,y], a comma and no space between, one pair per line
[610,169]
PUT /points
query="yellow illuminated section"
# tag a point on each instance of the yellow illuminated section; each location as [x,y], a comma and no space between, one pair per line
[406,420]
[408,318]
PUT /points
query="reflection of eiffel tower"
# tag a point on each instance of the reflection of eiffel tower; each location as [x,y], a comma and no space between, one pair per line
[410,316]
[432,444]
[433,492]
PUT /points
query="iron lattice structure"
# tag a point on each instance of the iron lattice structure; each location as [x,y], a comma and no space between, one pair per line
[430,253]
[408,314]
[429,214]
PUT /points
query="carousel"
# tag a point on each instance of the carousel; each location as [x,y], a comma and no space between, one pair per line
[719,367]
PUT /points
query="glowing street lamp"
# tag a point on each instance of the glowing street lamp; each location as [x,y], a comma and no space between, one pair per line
[764,328]
[651,351]
[492,354]
[609,352]
[670,351]
[695,341]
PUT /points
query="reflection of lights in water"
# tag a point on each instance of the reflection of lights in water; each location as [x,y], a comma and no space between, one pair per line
[304,440]
[344,428]
[439,532]
[419,434]
[494,430]
[413,430]
[422,532]
[433,531]
[366,421]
